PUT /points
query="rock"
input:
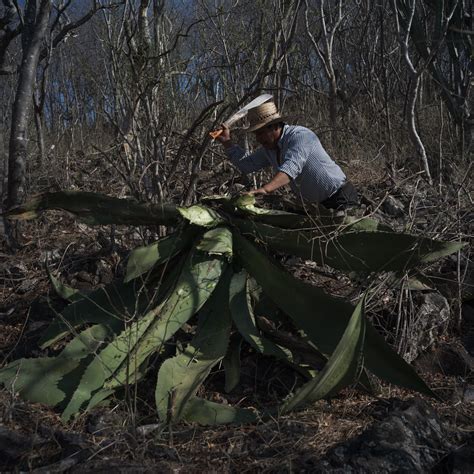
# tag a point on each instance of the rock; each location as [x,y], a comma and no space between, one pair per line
[459,461]
[14,445]
[104,272]
[411,439]
[52,256]
[85,276]
[27,285]
[468,395]
[104,423]
[428,325]
[447,359]
[393,207]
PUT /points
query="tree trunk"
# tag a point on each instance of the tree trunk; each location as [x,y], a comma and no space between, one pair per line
[415,137]
[36,23]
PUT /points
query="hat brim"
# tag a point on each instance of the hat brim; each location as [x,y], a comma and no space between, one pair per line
[283,118]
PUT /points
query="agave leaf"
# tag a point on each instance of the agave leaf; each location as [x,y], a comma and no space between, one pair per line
[342,367]
[122,358]
[110,306]
[244,319]
[64,291]
[310,308]
[201,215]
[205,412]
[99,397]
[217,241]
[355,251]
[97,209]
[196,284]
[38,379]
[181,376]
[143,259]
[320,224]
[231,363]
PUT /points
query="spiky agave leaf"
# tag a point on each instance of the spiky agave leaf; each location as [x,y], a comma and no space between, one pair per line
[323,317]
[320,224]
[231,363]
[181,376]
[95,209]
[342,368]
[205,412]
[356,251]
[38,380]
[110,306]
[200,276]
[118,363]
[143,259]
[244,319]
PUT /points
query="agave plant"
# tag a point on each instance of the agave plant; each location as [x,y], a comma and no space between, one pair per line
[215,265]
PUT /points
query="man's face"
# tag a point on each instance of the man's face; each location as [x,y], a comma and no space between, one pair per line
[268,136]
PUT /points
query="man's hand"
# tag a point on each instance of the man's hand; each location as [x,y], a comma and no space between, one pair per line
[253,192]
[279,180]
[224,137]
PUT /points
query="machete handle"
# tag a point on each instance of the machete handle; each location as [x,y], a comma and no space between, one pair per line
[215,133]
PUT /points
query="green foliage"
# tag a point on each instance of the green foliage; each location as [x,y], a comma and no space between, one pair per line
[342,367]
[215,266]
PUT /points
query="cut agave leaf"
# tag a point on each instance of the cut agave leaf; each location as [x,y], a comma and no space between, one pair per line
[201,216]
[217,241]
[354,251]
[143,259]
[342,368]
[205,412]
[244,319]
[181,376]
[97,209]
[311,309]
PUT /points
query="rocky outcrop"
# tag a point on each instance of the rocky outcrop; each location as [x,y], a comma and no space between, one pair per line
[410,439]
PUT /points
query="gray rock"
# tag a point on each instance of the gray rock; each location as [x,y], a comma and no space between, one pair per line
[27,286]
[393,207]
[14,445]
[410,439]
[459,461]
[446,359]
[430,322]
[104,272]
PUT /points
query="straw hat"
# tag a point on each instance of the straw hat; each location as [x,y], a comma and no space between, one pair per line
[263,115]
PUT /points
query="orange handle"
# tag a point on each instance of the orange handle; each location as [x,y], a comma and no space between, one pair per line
[216,133]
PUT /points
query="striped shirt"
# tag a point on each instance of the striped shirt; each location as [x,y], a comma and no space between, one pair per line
[314,175]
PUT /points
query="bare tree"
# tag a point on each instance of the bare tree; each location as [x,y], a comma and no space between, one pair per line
[33,34]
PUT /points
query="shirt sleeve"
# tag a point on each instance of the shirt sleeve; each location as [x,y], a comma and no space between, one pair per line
[296,155]
[247,162]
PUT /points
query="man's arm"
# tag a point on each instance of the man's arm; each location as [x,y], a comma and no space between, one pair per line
[279,180]
[245,162]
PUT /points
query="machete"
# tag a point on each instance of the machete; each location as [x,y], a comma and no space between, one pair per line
[242,113]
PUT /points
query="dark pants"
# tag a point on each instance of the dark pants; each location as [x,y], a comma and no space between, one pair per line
[346,196]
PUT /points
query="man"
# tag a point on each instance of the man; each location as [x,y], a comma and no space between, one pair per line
[296,155]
